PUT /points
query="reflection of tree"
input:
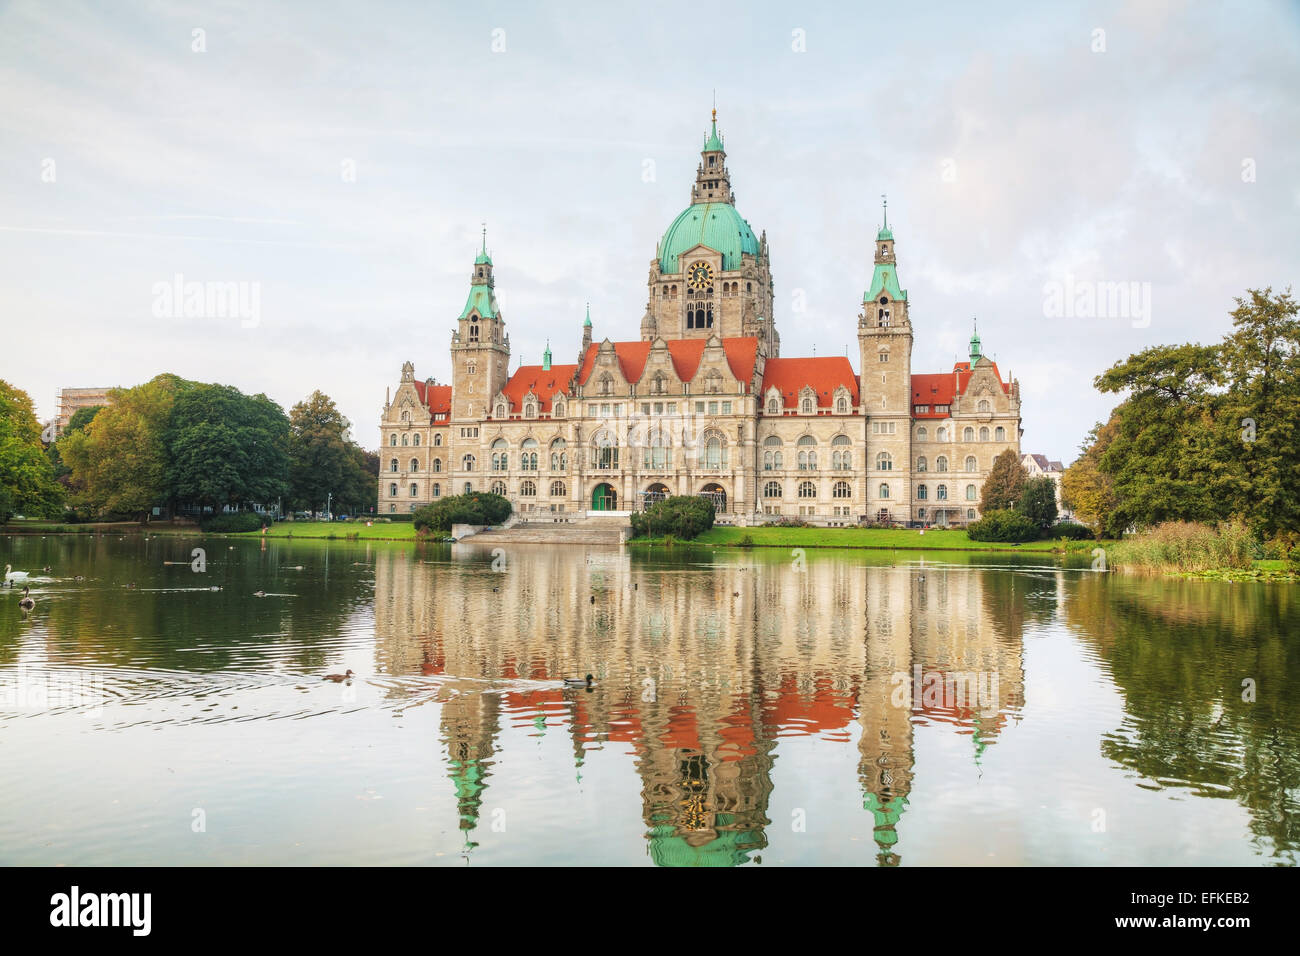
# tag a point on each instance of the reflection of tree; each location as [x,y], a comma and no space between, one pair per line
[1179,651]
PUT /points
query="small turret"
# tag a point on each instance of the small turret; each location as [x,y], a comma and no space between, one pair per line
[975,344]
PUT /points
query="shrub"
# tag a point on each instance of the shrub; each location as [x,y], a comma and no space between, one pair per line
[473,508]
[409,516]
[747,541]
[1187,546]
[682,516]
[1003,526]
[236,522]
[1070,529]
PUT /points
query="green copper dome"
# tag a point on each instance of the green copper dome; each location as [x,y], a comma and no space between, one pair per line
[714,224]
[884,233]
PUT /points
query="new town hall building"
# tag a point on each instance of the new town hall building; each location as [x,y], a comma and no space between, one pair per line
[703,402]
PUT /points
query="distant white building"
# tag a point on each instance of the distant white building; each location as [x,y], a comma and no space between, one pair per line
[1039,466]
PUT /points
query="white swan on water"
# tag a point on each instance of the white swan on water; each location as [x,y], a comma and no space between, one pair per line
[11,575]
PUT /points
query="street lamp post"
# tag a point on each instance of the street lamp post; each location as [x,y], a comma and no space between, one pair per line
[328,498]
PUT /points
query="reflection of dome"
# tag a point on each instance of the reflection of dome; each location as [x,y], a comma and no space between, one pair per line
[670,847]
[714,224]
[886,817]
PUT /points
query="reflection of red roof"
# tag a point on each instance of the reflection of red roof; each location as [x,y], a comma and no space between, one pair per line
[825,711]
[942,387]
[824,375]
[685,354]
[437,398]
[544,383]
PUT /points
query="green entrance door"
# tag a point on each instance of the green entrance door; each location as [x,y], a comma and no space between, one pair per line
[603,498]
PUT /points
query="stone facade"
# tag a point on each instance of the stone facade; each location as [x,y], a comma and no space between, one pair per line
[703,402]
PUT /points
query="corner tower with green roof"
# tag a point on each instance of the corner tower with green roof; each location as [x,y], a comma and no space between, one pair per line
[480,352]
[711,274]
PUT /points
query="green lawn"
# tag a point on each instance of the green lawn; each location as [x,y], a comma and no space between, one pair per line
[341,530]
[900,538]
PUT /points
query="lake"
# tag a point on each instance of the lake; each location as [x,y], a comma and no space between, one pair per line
[748,708]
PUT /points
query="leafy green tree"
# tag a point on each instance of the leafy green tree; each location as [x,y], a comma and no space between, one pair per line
[27,479]
[473,508]
[227,448]
[323,460]
[1087,490]
[1037,501]
[119,460]
[1003,485]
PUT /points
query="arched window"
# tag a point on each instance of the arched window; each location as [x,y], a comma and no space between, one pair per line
[970,514]
[437,440]
[606,384]
[500,455]
[921,464]
[606,450]
[415,489]
[807,489]
[884,461]
[772,453]
[842,405]
[392,507]
[557,489]
[392,490]
[884,491]
[841,490]
[415,440]
[941,434]
[715,452]
[528,489]
[559,455]
[773,406]
[406,416]
[841,456]
[473,332]
[806,406]
[1000,433]
[971,464]
[922,434]
[657,384]
[807,454]
[406,440]
[941,463]
[437,490]
[530,410]
[415,464]
[984,434]
[658,454]
[984,405]
[968,434]
[970,492]
[528,455]
[941,492]
[922,492]
[392,465]
[498,488]
[392,439]
[772,489]
[467,464]
[557,411]
[501,410]
[437,464]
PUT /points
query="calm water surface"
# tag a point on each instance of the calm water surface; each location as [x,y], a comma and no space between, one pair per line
[749,708]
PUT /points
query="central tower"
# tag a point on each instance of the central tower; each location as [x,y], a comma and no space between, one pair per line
[711,274]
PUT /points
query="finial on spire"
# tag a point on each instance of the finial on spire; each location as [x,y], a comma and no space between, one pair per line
[588,322]
[884,203]
[484,238]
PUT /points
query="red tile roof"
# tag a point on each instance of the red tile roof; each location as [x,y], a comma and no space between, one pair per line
[438,395]
[825,375]
[541,382]
[942,387]
[685,354]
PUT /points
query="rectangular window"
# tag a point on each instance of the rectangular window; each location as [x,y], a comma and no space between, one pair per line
[604,408]
[699,408]
[713,408]
[726,408]
[659,408]
[884,357]
[618,410]
[920,409]
[943,409]
[591,411]
[672,408]
[645,408]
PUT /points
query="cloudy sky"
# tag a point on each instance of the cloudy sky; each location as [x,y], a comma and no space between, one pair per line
[342,156]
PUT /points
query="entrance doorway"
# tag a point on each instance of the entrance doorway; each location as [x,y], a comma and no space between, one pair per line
[603,498]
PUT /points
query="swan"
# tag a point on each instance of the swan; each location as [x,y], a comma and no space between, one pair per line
[27,602]
[11,575]
[259,594]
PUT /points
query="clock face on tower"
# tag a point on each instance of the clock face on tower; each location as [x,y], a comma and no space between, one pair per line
[700,275]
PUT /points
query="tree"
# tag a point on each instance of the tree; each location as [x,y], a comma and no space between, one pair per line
[1086,489]
[27,479]
[119,461]
[227,448]
[323,460]
[1037,501]
[1003,485]
[474,508]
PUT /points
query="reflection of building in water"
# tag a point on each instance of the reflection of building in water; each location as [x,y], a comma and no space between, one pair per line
[701,668]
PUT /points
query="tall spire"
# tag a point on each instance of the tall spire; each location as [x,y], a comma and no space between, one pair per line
[975,342]
[587,323]
[712,181]
[885,232]
[483,256]
[546,357]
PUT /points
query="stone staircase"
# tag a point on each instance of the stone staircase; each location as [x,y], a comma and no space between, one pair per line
[592,531]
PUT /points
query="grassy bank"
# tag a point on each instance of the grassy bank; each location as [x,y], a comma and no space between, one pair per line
[338,530]
[901,539]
